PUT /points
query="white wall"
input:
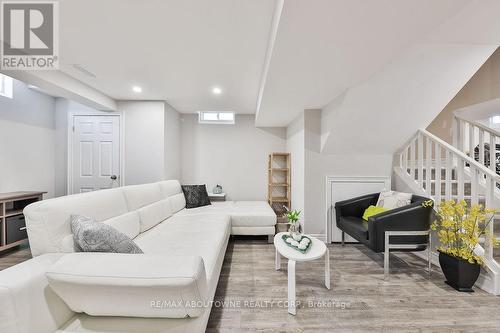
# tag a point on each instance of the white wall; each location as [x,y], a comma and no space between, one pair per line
[295,141]
[381,113]
[144,146]
[172,143]
[27,141]
[151,141]
[234,156]
[310,169]
[482,87]
[61,146]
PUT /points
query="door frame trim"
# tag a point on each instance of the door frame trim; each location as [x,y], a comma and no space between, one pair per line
[71,116]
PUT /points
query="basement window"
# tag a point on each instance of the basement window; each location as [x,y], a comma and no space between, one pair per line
[6,83]
[215,117]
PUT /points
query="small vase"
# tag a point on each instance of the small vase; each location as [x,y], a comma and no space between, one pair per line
[294,228]
[460,274]
[217,189]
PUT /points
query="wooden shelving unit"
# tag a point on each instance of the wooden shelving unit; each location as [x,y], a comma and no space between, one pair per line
[12,225]
[279,185]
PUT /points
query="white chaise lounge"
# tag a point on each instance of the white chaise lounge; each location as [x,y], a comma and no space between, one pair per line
[154,215]
[247,217]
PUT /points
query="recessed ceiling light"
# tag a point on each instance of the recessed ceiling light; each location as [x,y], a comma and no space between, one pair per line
[217,91]
[137,89]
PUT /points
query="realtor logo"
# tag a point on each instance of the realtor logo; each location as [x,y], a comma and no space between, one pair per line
[29,35]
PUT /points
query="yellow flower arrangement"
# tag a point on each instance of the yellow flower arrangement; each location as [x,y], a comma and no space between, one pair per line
[459,228]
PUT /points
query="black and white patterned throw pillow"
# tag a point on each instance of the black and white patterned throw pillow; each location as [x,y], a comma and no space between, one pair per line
[92,236]
[196,195]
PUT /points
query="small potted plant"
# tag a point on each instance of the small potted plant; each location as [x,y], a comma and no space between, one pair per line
[293,219]
[459,228]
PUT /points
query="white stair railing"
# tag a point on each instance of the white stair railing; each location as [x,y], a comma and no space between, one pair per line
[469,134]
[424,158]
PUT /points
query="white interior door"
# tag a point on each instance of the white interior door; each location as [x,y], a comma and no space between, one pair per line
[343,188]
[95,153]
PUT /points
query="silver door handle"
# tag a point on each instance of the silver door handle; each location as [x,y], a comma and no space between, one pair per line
[22,228]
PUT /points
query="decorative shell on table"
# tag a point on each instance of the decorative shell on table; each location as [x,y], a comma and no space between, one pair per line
[302,244]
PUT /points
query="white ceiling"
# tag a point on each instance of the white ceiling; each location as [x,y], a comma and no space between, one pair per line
[324,47]
[176,50]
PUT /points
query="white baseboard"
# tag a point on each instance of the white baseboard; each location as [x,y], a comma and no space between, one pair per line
[321,237]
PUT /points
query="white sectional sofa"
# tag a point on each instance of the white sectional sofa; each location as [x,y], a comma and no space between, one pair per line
[247,217]
[154,216]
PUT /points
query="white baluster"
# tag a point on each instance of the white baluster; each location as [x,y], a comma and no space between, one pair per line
[472,140]
[493,153]
[474,180]
[420,160]
[437,183]
[455,132]
[481,146]
[461,129]
[448,175]
[489,202]
[404,157]
[428,166]
[413,157]
[460,179]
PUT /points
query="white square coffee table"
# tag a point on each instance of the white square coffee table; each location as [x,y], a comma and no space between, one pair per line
[317,250]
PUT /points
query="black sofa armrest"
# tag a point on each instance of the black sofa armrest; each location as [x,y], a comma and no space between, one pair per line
[413,217]
[355,206]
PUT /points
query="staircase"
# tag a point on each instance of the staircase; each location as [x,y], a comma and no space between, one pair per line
[429,166]
[475,140]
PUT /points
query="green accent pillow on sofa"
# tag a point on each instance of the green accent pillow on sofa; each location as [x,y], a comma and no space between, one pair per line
[373,210]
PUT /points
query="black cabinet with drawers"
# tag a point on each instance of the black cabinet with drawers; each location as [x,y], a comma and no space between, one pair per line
[12,223]
[15,229]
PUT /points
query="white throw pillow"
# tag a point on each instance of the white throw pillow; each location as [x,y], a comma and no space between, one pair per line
[393,199]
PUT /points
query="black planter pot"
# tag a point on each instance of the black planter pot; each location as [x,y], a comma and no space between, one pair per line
[460,274]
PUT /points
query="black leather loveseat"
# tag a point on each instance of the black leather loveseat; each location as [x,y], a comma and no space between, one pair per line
[413,217]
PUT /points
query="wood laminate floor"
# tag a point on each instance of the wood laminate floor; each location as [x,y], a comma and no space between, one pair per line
[359,300]
[14,256]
